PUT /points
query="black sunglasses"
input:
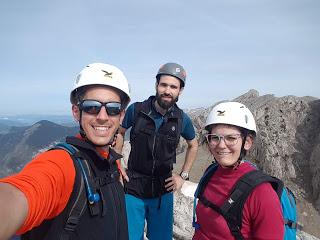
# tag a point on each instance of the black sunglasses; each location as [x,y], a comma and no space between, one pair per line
[94,107]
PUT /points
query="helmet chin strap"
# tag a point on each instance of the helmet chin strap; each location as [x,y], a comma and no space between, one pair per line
[242,153]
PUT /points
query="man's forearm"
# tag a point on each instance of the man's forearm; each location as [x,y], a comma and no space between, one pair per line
[191,155]
[13,211]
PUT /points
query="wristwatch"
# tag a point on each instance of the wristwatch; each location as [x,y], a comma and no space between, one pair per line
[184,175]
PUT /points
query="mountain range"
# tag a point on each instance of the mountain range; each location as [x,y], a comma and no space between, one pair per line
[20,144]
[8,121]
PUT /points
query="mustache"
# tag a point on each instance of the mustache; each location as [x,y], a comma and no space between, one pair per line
[165,95]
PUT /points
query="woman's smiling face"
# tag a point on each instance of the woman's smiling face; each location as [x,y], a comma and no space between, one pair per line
[227,151]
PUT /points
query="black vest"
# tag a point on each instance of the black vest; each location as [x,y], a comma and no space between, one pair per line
[152,152]
[105,219]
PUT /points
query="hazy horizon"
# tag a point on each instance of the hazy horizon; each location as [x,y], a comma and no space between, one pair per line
[69,114]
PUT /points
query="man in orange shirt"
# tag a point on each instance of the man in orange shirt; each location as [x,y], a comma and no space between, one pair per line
[37,201]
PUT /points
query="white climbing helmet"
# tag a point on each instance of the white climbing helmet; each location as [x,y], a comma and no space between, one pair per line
[232,113]
[102,74]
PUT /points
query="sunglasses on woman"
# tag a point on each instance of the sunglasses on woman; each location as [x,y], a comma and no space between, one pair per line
[94,107]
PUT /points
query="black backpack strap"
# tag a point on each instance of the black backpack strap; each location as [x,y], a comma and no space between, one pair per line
[205,179]
[232,208]
[80,198]
[200,188]
[231,221]
[244,186]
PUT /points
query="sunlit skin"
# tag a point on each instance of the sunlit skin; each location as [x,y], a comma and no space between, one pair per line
[168,89]
[99,128]
[225,155]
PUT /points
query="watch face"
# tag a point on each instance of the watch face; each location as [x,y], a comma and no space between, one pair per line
[184,175]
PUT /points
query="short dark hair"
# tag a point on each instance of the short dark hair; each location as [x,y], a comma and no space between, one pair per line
[79,94]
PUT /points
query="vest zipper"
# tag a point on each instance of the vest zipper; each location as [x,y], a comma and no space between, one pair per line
[153,147]
[153,164]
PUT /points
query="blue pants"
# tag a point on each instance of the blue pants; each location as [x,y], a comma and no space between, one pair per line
[159,221]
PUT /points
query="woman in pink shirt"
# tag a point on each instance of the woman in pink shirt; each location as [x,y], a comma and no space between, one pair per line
[231,132]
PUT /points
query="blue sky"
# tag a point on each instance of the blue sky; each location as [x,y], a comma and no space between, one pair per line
[227,47]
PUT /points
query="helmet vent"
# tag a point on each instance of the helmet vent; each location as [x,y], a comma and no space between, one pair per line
[78,79]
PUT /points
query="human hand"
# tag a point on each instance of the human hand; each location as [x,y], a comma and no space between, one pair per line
[174,183]
[123,174]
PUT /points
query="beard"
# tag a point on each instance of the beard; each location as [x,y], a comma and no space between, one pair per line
[165,104]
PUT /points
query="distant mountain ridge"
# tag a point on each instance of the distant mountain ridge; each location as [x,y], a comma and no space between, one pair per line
[20,144]
[8,121]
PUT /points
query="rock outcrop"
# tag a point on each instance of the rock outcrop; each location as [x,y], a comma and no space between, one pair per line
[288,136]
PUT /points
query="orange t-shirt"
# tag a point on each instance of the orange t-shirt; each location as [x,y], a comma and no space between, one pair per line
[47,182]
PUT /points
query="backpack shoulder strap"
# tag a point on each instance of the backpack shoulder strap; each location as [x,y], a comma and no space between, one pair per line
[232,208]
[79,198]
[64,226]
[244,186]
[200,188]
[205,179]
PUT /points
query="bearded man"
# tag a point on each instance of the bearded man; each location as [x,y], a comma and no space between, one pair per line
[156,126]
